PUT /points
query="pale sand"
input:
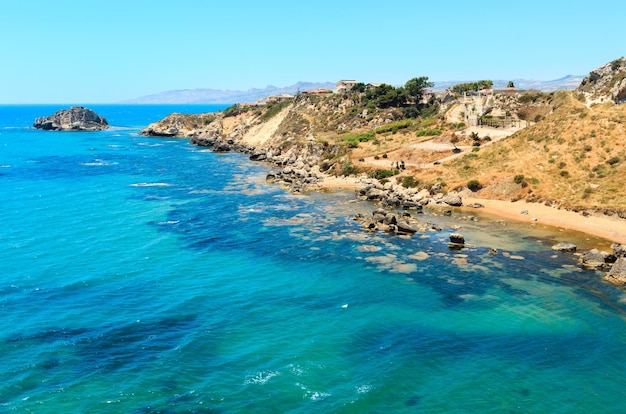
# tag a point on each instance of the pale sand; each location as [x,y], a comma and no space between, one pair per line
[610,228]
[340,183]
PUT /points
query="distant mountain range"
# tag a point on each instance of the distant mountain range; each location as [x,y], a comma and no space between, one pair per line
[217,96]
[569,82]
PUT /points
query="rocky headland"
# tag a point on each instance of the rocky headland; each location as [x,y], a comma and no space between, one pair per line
[405,157]
[76,118]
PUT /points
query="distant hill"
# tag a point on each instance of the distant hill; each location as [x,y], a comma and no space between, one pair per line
[217,96]
[569,82]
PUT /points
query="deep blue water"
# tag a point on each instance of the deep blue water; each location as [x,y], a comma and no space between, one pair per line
[146,275]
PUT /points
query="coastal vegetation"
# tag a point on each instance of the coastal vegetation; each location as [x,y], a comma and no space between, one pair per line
[472,86]
[561,148]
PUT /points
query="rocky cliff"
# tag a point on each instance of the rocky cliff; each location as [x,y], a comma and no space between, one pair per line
[76,118]
[606,83]
[561,153]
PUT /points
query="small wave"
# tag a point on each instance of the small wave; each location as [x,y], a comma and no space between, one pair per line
[313,395]
[149,144]
[201,191]
[363,389]
[98,163]
[151,185]
[261,377]
[319,396]
[168,222]
[5,166]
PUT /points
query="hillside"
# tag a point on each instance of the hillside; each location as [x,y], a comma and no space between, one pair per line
[574,158]
[557,148]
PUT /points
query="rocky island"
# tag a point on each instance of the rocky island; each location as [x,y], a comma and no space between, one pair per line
[76,118]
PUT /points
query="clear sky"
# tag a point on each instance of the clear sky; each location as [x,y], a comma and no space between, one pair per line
[71,51]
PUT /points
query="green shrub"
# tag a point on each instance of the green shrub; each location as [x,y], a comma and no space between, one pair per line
[234,110]
[274,108]
[564,173]
[353,139]
[428,132]
[474,185]
[347,168]
[612,161]
[518,179]
[382,174]
[410,182]
[384,155]
[394,127]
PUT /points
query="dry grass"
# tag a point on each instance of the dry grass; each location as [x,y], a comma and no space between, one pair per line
[576,157]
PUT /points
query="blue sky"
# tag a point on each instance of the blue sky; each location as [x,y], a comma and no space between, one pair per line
[68,51]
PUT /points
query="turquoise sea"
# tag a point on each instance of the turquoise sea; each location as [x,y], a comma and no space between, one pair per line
[146,275]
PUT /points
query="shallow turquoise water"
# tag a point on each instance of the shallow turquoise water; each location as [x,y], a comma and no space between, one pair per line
[145,275]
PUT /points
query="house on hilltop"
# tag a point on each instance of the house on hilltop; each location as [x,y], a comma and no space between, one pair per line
[277,98]
[345,86]
[317,92]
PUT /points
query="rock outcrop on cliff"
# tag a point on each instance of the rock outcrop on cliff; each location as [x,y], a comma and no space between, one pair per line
[185,126]
[76,118]
[606,83]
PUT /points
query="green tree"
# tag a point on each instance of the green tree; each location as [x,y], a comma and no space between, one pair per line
[359,87]
[510,85]
[378,91]
[472,86]
[386,96]
[415,88]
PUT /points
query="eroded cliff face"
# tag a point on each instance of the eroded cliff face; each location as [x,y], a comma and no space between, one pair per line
[76,118]
[265,133]
[606,83]
[183,126]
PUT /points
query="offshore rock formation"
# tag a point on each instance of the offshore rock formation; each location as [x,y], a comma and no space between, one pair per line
[76,118]
[606,83]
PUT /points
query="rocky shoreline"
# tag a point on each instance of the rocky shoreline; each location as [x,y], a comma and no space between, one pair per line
[299,171]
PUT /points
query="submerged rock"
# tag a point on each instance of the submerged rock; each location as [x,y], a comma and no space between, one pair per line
[76,118]
[564,247]
[404,227]
[457,238]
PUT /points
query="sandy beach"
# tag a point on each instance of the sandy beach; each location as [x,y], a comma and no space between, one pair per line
[610,228]
[602,226]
